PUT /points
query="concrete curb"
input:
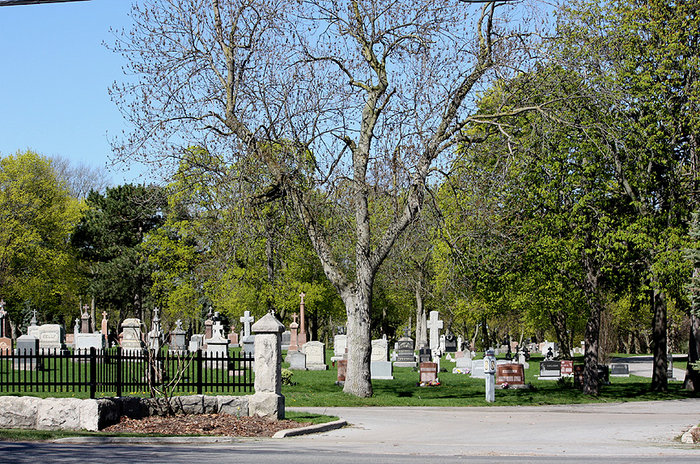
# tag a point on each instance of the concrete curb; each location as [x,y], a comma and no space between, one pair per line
[316,428]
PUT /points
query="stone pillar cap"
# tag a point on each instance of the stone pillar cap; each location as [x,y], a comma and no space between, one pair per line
[267,324]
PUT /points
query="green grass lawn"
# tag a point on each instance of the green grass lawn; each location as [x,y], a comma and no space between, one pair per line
[317,388]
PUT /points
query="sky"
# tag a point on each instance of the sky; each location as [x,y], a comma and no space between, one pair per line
[54,76]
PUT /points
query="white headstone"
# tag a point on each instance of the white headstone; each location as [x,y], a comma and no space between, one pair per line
[380,350]
[434,326]
[131,331]
[246,320]
[315,356]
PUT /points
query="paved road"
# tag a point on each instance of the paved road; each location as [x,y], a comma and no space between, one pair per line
[605,433]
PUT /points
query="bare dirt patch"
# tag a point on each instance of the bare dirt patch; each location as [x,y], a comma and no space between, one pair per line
[203,424]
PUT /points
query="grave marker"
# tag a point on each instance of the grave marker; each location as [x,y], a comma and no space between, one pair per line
[550,370]
[428,372]
[434,326]
[315,356]
[512,374]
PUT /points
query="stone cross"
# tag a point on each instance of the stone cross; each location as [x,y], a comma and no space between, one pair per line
[434,325]
[302,325]
[247,319]
[178,325]
[33,321]
[293,338]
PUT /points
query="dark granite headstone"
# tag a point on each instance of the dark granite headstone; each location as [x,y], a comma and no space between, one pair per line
[450,343]
[620,370]
[425,355]
[551,369]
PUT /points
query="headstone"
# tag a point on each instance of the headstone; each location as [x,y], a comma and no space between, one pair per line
[315,356]
[512,374]
[619,370]
[294,337]
[286,340]
[27,345]
[450,343]
[342,370]
[85,320]
[428,372]
[522,359]
[5,345]
[155,335]
[217,347]
[550,369]
[51,337]
[340,345]
[131,335]
[248,340]
[246,320]
[442,344]
[196,342]
[424,354]
[477,369]
[380,350]
[85,341]
[463,365]
[178,337]
[233,337]
[434,326]
[249,345]
[296,360]
[381,370]
[669,366]
[567,367]
[405,354]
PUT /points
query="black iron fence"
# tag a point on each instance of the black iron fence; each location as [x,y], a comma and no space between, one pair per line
[120,372]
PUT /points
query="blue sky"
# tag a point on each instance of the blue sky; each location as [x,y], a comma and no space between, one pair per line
[54,78]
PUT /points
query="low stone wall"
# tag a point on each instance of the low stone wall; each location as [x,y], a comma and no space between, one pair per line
[26,412]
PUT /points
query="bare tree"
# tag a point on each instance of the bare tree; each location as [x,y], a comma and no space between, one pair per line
[338,102]
[81,178]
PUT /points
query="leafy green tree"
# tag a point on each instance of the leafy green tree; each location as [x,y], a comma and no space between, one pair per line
[109,239]
[37,266]
[641,58]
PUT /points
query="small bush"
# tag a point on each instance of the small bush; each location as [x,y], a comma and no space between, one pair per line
[287,377]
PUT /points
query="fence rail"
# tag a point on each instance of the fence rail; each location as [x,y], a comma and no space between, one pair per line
[121,372]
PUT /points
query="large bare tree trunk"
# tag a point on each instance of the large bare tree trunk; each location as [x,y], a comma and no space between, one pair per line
[357,305]
[659,380]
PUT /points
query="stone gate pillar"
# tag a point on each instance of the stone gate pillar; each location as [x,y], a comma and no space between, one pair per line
[268,401]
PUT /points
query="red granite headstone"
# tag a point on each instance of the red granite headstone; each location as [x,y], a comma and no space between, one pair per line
[567,367]
[428,372]
[5,345]
[512,374]
[342,369]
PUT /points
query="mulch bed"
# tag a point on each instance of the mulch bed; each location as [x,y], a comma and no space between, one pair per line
[203,424]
